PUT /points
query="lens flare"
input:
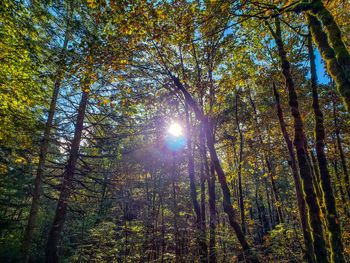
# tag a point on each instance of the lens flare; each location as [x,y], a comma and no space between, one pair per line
[175,129]
[175,139]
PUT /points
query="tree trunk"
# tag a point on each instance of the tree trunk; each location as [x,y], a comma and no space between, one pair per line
[334,67]
[316,179]
[261,225]
[212,198]
[212,213]
[28,234]
[333,226]
[265,221]
[268,165]
[274,190]
[299,142]
[199,220]
[163,231]
[241,199]
[343,163]
[51,252]
[175,211]
[203,214]
[335,36]
[341,153]
[309,251]
[271,223]
[203,227]
[342,194]
[228,208]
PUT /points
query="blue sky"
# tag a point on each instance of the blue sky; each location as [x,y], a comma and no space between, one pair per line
[320,69]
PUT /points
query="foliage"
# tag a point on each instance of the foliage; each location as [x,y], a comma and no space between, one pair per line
[131,198]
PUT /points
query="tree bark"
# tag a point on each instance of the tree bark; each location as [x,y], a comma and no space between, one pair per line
[316,179]
[274,190]
[203,226]
[228,208]
[212,213]
[210,172]
[299,143]
[335,36]
[337,249]
[334,66]
[203,214]
[28,234]
[51,252]
[199,220]
[309,250]
[341,152]
[342,194]
[261,231]
[176,213]
[241,200]
[271,223]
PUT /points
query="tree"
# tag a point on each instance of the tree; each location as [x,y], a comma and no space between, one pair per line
[299,143]
[332,222]
[54,235]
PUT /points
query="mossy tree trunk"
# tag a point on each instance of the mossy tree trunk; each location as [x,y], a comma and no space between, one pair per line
[332,221]
[341,152]
[309,250]
[316,178]
[339,183]
[335,36]
[334,66]
[299,143]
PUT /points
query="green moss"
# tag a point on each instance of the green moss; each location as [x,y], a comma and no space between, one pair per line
[329,55]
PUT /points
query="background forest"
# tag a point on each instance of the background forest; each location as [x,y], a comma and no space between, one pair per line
[254,169]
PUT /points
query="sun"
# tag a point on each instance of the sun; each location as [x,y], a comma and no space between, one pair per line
[175,129]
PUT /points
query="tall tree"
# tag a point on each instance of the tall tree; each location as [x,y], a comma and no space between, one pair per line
[51,251]
[240,160]
[199,219]
[337,62]
[299,142]
[28,235]
[309,253]
[333,226]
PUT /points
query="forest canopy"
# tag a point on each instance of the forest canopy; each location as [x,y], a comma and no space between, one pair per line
[174,131]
